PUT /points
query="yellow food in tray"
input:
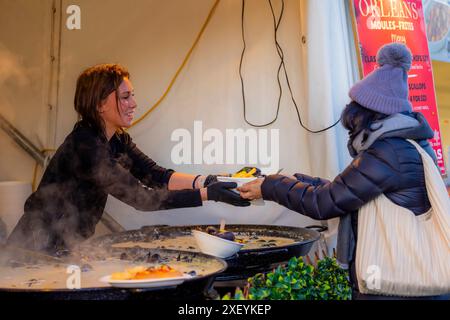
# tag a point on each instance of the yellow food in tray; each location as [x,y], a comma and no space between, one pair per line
[246,173]
[141,272]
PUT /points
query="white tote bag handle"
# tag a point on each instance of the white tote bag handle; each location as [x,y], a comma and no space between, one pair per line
[436,190]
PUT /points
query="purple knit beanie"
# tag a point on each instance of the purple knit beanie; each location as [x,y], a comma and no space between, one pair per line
[385,89]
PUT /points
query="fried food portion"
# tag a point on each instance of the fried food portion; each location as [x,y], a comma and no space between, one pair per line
[246,173]
[141,272]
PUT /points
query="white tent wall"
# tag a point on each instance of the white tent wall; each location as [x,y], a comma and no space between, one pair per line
[151,39]
[25,29]
[330,70]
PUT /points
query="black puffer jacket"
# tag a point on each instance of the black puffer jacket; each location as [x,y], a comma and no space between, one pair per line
[391,165]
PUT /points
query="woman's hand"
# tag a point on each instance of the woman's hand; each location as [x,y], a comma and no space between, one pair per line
[205,181]
[221,191]
[180,181]
[251,190]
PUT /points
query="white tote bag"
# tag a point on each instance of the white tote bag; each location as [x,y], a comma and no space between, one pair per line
[401,254]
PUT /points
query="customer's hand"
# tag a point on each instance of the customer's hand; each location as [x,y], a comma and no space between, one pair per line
[220,191]
[252,189]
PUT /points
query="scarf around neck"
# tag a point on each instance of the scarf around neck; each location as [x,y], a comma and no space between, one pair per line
[407,126]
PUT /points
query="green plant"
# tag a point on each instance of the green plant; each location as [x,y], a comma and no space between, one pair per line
[298,281]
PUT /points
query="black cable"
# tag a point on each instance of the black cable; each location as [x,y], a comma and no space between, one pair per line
[242,79]
[281,55]
[282,65]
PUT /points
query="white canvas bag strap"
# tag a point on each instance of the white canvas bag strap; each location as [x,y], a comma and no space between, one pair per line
[436,190]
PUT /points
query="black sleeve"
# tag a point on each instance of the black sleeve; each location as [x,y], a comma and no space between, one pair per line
[144,168]
[101,169]
[369,175]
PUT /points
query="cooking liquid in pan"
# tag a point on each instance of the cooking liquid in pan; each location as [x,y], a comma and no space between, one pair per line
[188,243]
[53,277]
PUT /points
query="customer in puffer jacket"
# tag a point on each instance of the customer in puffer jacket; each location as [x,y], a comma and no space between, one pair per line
[379,120]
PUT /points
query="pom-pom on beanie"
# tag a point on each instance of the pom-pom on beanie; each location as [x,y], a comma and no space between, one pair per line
[385,89]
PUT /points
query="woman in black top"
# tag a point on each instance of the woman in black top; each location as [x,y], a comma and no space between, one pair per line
[98,158]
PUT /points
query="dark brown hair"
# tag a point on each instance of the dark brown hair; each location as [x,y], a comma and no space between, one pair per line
[356,118]
[94,85]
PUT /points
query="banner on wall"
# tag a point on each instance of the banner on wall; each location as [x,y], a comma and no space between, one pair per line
[384,21]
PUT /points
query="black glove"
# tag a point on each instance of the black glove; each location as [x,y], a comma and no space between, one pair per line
[220,191]
[209,180]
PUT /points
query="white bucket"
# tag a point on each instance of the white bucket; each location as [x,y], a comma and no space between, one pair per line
[13,195]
